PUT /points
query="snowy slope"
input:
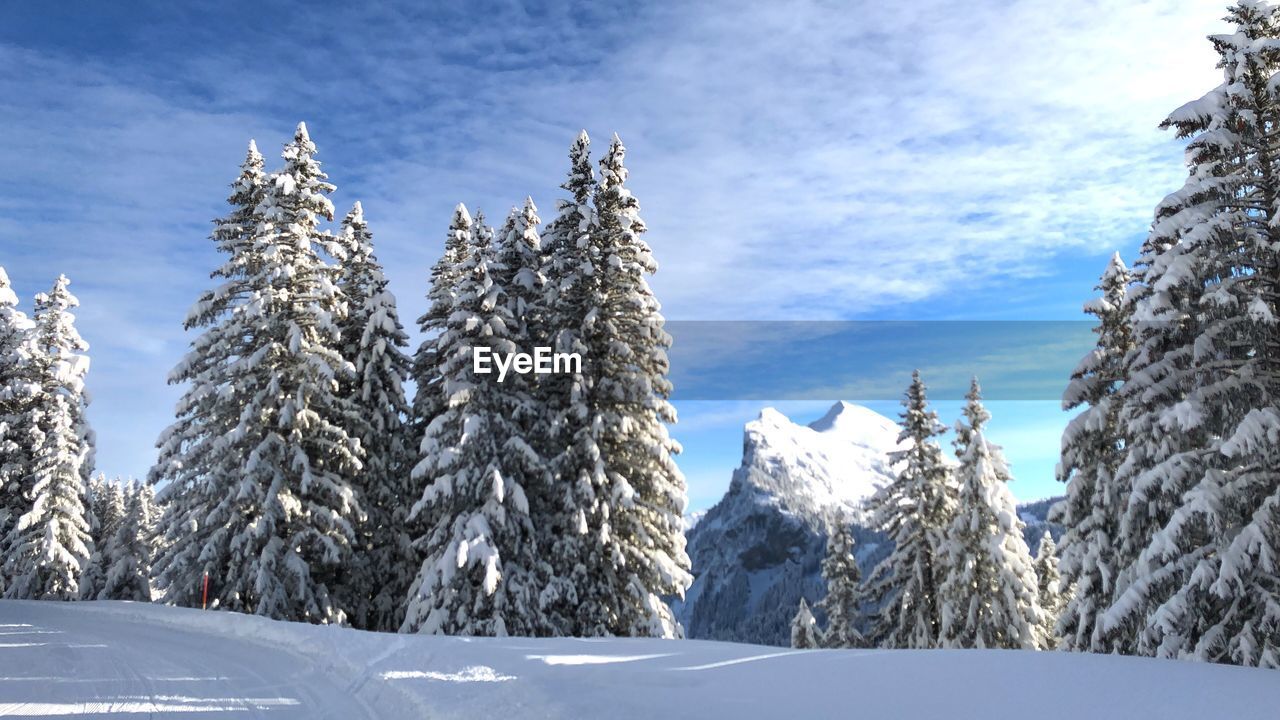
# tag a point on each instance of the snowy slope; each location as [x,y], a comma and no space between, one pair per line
[756,552]
[121,660]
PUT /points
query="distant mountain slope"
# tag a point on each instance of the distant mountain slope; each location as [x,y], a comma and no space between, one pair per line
[757,551]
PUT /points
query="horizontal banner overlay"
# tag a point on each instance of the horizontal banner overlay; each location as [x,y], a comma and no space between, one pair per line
[873,360]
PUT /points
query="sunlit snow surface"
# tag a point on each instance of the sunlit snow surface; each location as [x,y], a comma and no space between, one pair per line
[123,660]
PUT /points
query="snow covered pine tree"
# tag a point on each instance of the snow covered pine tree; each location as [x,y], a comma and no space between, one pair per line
[260,494]
[843,600]
[804,629]
[914,511]
[430,400]
[1051,596]
[482,568]
[201,499]
[637,518]
[569,294]
[381,572]
[130,550]
[105,506]
[1091,456]
[989,593]
[1205,585]
[50,543]
[17,418]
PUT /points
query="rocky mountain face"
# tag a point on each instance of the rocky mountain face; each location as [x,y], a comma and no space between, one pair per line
[758,551]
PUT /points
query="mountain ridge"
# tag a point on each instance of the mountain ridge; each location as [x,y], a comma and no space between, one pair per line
[758,551]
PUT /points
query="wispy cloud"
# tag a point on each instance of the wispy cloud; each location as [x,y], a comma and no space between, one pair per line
[794,160]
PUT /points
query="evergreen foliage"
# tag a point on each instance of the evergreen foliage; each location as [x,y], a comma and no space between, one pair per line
[989,593]
[568,297]
[259,461]
[482,568]
[130,550]
[1050,591]
[804,629]
[842,603]
[17,413]
[373,341]
[49,545]
[105,509]
[1091,455]
[914,511]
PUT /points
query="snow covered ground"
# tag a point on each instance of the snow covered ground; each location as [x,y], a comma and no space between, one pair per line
[124,660]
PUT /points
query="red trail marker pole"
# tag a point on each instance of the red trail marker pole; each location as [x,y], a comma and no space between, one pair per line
[204,593]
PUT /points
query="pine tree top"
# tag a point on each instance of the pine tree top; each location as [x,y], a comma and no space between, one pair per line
[918,421]
[252,174]
[59,298]
[613,170]
[56,331]
[253,160]
[356,242]
[1047,546]
[1116,270]
[1114,288]
[8,298]
[302,174]
[461,218]
[481,233]
[974,411]
[581,176]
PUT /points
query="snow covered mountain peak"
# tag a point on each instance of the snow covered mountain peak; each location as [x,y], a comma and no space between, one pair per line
[859,425]
[757,551]
[835,462]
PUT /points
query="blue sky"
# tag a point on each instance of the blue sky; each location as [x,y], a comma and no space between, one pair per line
[794,161]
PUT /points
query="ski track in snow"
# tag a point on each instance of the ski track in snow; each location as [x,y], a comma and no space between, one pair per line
[110,660]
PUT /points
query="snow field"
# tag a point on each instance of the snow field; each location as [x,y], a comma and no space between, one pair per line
[174,661]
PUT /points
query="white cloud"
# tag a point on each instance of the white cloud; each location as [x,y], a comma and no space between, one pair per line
[794,160]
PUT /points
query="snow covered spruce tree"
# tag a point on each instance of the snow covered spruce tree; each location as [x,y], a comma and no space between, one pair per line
[1091,456]
[50,543]
[105,503]
[569,296]
[482,569]
[519,272]
[429,399]
[843,600]
[1050,591]
[259,461]
[130,550]
[202,499]
[16,413]
[989,593]
[1160,453]
[804,629]
[373,341]
[1205,586]
[914,511]
[623,451]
